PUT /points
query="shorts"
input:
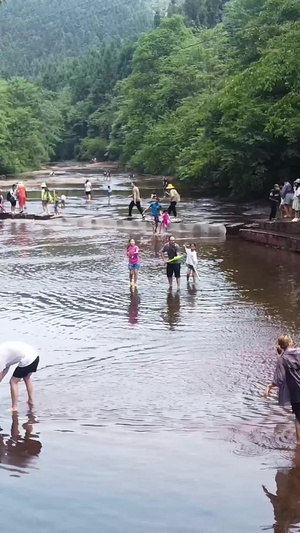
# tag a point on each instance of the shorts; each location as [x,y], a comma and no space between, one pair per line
[24,371]
[13,202]
[134,266]
[173,268]
[155,219]
[191,267]
[289,198]
[296,410]
[88,193]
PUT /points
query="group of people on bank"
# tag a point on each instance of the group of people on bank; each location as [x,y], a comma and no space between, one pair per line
[286,199]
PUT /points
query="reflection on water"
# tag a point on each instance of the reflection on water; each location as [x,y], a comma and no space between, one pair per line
[286,501]
[19,450]
[133,308]
[171,314]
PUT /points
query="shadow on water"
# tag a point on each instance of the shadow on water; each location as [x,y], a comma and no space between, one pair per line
[20,450]
[286,501]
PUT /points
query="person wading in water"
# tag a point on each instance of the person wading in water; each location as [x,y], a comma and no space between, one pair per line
[46,198]
[27,358]
[136,200]
[174,199]
[287,378]
[169,252]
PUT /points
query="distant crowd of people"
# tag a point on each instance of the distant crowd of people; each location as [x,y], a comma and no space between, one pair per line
[286,199]
[17,195]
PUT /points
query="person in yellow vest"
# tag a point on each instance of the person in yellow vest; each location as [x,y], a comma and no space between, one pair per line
[174,199]
[46,198]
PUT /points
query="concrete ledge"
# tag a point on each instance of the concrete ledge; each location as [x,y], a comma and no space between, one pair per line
[278,240]
[281,226]
[18,216]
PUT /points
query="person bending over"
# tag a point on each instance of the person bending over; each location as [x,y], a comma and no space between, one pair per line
[27,359]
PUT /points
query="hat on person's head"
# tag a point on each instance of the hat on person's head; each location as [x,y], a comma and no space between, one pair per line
[43,186]
[170,186]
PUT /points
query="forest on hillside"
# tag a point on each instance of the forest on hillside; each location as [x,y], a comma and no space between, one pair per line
[211,93]
[34,31]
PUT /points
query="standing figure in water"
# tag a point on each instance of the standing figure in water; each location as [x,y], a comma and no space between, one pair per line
[46,198]
[12,198]
[136,200]
[133,262]
[191,261]
[287,378]
[155,210]
[88,190]
[108,194]
[27,358]
[174,199]
[165,221]
[22,196]
[170,252]
[2,202]
[63,199]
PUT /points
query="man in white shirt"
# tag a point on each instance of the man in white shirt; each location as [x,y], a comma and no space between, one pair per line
[27,359]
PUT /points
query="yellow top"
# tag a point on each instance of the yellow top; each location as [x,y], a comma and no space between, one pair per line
[46,196]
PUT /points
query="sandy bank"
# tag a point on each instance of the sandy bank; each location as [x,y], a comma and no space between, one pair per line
[61,170]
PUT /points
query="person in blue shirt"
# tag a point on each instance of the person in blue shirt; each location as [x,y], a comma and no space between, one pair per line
[155,210]
[108,194]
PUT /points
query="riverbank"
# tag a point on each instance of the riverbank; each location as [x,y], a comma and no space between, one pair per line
[51,173]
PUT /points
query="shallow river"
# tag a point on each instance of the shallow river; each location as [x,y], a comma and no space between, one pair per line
[149,413]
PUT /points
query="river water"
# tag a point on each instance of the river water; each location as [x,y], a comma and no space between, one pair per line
[149,412]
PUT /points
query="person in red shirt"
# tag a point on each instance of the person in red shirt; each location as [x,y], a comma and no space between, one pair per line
[22,196]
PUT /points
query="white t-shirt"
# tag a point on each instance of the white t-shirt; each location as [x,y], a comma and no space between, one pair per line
[191,257]
[88,186]
[12,353]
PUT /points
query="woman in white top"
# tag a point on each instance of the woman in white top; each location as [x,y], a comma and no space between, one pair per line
[191,262]
[27,359]
[88,189]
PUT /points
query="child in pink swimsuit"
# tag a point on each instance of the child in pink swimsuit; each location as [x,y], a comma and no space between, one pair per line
[133,262]
[165,221]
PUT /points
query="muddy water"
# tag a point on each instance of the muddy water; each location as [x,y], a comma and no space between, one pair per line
[149,412]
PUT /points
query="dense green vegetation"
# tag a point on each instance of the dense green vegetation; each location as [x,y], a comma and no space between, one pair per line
[34,31]
[215,102]
[31,125]
[220,105]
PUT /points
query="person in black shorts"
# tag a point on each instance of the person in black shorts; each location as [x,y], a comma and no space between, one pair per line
[27,359]
[169,252]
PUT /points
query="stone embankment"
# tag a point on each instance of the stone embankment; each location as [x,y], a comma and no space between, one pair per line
[282,234]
